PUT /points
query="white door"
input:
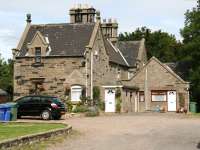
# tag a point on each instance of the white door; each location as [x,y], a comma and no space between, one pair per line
[171,96]
[110,100]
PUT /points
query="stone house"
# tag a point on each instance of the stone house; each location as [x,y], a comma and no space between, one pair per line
[70,59]
[155,86]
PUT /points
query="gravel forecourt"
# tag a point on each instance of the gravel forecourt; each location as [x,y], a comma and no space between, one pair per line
[133,132]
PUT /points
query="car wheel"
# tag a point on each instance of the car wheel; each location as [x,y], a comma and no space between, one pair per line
[19,117]
[46,115]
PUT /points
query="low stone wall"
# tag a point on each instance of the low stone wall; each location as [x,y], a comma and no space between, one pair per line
[29,139]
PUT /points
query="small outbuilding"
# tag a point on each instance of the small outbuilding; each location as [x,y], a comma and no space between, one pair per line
[3,96]
[156,87]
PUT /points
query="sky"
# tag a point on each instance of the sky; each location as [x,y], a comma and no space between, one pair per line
[167,15]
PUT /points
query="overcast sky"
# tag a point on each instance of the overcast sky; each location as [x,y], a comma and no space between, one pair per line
[167,15]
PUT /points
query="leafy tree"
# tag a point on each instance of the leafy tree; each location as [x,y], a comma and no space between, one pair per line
[191,49]
[6,75]
[159,44]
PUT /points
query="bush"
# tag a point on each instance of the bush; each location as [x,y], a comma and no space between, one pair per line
[118,105]
[101,105]
[181,100]
[69,105]
[96,94]
[118,93]
[80,109]
[92,114]
[93,111]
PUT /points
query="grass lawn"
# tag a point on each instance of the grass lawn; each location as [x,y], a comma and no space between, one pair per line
[13,130]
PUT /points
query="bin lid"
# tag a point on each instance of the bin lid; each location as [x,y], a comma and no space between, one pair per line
[4,106]
[193,102]
[12,104]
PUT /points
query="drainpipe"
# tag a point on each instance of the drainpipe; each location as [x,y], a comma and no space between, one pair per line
[188,94]
[91,74]
[146,88]
[138,100]
[86,84]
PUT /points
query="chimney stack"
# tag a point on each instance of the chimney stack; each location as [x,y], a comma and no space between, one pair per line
[110,29]
[82,14]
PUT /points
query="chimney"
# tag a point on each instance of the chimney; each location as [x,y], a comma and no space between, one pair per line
[98,16]
[110,29]
[28,18]
[82,14]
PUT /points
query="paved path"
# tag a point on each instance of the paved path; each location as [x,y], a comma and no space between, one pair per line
[133,132]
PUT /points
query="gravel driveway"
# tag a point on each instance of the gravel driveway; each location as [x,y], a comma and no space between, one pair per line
[133,132]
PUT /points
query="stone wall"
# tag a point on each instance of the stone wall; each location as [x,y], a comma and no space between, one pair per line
[158,78]
[29,139]
[53,72]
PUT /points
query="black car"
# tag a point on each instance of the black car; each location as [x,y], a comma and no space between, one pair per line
[48,107]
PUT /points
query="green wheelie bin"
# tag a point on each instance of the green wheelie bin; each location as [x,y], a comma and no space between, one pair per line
[193,107]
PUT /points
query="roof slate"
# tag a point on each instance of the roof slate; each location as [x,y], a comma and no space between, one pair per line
[65,39]
[114,56]
[130,50]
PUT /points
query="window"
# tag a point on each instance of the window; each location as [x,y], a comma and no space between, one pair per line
[35,100]
[118,73]
[38,54]
[76,92]
[24,100]
[159,96]
[141,96]
[130,75]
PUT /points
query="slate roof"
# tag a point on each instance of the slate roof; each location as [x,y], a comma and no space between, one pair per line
[3,93]
[114,55]
[65,39]
[129,50]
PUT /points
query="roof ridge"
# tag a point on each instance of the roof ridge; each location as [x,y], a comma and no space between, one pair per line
[117,50]
[57,24]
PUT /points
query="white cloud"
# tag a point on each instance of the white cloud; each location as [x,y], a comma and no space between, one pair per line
[157,14]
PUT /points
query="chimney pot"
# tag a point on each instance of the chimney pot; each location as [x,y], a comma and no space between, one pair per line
[28,18]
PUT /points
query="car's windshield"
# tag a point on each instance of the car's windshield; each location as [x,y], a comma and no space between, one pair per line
[56,100]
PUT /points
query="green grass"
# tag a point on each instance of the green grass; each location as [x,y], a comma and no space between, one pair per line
[14,130]
[52,141]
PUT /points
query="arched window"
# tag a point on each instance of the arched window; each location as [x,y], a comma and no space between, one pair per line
[76,92]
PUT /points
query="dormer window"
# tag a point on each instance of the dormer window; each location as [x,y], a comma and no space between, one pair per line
[38,55]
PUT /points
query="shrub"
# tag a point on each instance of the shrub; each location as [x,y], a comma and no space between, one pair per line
[69,105]
[92,114]
[96,94]
[80,109]
[93,111]
[181,100]
[101,105]
[118,93]
[118,105]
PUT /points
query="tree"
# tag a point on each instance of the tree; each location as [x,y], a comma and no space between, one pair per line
[6,75]
[191,49]
[159,44]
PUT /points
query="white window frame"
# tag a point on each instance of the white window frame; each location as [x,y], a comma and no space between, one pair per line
[78,90]
[158,94]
